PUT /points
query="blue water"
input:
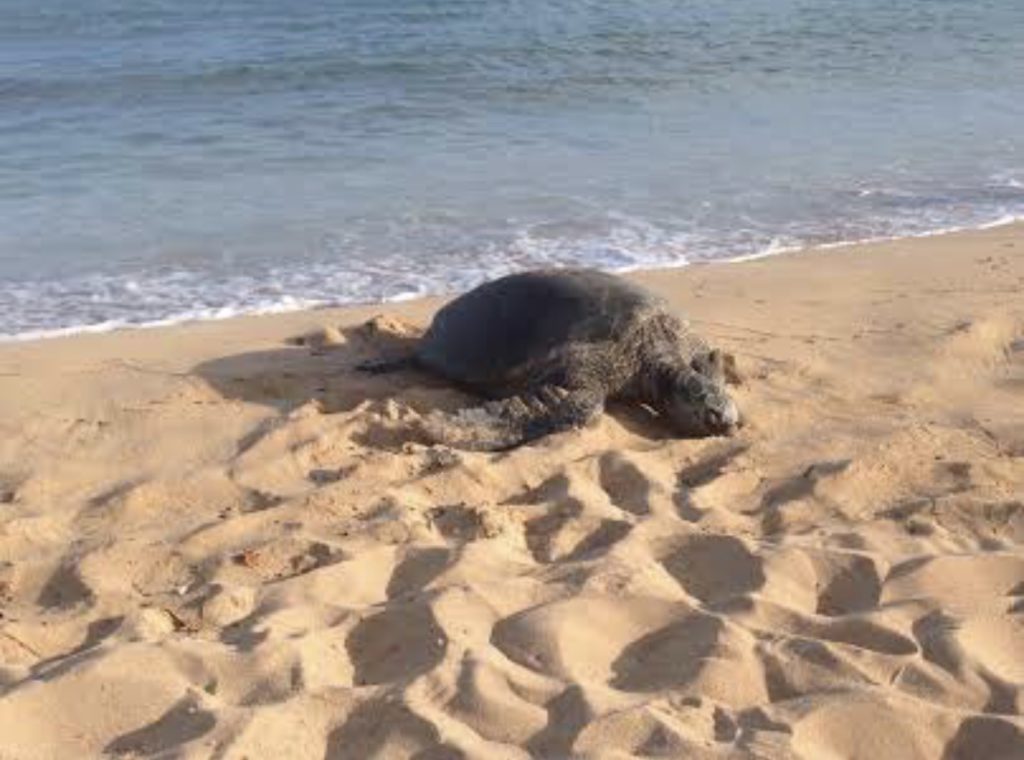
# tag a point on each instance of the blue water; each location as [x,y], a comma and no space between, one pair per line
[165,159]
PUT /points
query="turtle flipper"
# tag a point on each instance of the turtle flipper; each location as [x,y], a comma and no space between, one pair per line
[510,422]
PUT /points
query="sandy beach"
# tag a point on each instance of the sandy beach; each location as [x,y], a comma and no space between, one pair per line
[220,541]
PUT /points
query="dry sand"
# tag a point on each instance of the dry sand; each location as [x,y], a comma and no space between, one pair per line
[216,543]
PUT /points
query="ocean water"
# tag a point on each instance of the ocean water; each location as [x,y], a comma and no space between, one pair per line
[172,159]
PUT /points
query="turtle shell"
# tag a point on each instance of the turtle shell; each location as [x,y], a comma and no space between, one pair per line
[524,324]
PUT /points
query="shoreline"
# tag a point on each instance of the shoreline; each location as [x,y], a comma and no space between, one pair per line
[287,308]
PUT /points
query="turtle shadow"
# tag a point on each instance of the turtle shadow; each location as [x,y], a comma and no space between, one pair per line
[287,378]
[640,420]
[314,367]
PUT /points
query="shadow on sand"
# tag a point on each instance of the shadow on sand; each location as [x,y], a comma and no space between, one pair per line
[320,366]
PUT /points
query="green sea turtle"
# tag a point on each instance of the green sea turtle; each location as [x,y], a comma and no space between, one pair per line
[550,346]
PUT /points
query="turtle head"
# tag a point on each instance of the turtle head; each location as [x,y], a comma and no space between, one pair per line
[697,403]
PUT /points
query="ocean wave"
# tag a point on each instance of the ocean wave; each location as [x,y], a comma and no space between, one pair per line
[102,303]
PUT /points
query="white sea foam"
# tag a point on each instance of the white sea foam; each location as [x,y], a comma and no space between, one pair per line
[772,250]
[628,247]
[284,306]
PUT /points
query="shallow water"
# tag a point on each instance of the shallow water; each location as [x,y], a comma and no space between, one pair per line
[161,160]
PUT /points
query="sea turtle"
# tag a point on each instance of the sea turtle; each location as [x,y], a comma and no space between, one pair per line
[550,346]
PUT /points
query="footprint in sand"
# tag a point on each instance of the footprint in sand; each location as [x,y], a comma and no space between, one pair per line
[386,729]
[397,644]
[988,738]
[562,509]
[417,570]
[64,589]
[864,634]
[709,484]
[607,534]
[492,702]
[627,487]
[184,722]
[568,714]
[795,667]
[671,656]
[983,582]
[850,583]
[714,568]
[550,638]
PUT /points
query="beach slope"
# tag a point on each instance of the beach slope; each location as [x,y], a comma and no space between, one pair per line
[218,540]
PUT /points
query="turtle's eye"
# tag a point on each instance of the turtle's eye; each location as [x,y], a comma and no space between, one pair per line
[695,387]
